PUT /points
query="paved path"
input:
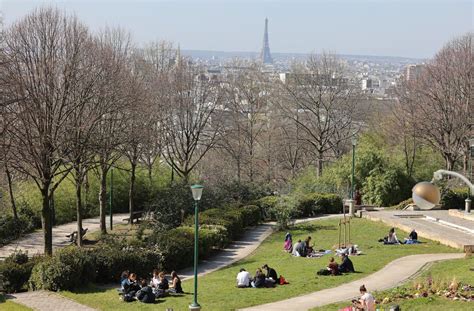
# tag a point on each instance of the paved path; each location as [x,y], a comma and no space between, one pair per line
[48,301]
[33,242]
[393,274]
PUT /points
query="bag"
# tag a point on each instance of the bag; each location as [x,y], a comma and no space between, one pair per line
[283,281]
[129,297]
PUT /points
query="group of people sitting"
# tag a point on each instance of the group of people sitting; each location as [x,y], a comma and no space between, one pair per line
[333,268]
[391,238]
[301,248]
[270,279]
[147,291]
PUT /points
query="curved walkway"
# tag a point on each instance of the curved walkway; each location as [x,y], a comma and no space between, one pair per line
[393,274]
[33,242]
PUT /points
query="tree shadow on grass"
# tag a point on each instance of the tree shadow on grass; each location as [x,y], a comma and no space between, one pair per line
[314,227]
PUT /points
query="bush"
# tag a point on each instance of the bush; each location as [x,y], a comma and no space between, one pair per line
[68,268]
[318,203]
[454,199]
[402,204]
[11,228]
[110,260]
[284,211]
[387,188]
[267,206]
[16,270]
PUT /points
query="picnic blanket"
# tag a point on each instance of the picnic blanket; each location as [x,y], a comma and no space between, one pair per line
[319,254]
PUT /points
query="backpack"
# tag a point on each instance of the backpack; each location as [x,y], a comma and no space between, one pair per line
[283,281]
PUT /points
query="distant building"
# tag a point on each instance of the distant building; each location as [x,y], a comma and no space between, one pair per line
[413,72]
[265,55]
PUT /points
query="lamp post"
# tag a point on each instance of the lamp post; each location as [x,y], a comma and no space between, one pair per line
[354,143]
[197,193]
[111,195]
[471,156]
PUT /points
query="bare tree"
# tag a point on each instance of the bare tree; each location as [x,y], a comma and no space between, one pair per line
[323,101]
[438,104]
[187,131]
[42,73]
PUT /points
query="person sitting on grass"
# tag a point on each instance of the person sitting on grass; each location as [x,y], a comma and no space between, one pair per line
[272,275]
[175,283]
[333,267]
[259,279]
[366,301]
[298,249]
[145,294]
[308,248]
[412,238]
[391,238]
[130,288]
[346,264]
[123,279]
[243,279]
[155,280]
[288,243]
[163,284]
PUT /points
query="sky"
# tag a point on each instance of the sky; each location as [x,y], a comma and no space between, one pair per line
[408,28]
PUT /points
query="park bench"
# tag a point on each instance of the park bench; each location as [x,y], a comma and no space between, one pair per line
[73,236]
[135,216]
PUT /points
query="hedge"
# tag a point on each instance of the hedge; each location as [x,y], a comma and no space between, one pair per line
[454,199]
[318,203]
[15,271]
[267,206]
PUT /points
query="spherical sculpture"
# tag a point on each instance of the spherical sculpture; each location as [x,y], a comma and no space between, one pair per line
[426,195]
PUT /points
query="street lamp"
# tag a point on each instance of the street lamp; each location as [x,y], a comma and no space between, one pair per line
[354,143]
[471,156]
[197,193]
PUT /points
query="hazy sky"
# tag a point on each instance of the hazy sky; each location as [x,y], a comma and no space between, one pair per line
[412,28]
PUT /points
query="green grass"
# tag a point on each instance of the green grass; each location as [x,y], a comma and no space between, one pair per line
[9,305]
[442,271]
[217,290]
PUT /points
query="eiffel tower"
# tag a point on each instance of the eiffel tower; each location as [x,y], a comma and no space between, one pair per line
[265,55]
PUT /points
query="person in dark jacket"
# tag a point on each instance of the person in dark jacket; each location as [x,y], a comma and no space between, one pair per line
[130,287]
[271,273]
[346,264]
[145,294]
[259,279]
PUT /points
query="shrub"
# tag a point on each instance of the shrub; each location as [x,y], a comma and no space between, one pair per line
[68,268]
[267,206]
[387,188]
[402,204]
[16,270]
[110,260]
[454,199]
[11,228]
[250,214]
[177,246]
[283,211]
[318,203]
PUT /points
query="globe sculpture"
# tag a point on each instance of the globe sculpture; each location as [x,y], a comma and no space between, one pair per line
[426,195]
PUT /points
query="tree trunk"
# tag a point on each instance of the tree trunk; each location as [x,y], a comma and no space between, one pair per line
[449,162]
[103,198]
[79,206]
[319,164]
[46,221]
[131,202]
[10,191]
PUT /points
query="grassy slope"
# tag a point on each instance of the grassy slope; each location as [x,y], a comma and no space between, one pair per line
[445,270]
[11,306]
[217,290]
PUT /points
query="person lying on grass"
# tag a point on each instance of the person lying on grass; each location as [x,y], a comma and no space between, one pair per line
[346,264]
[175,283]
[243,279]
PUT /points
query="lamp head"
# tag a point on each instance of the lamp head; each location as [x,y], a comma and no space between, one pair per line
[197,192]
[426,195]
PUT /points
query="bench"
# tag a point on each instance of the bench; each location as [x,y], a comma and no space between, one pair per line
[73,236]
[135,216]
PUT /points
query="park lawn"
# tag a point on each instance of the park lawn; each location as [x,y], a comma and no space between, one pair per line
[445,271]
[9,305]
[217,290]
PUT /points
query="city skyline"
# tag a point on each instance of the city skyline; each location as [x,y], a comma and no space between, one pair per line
[413,29]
